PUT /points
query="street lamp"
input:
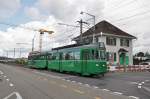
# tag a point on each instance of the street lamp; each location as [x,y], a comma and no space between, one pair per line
[93,16]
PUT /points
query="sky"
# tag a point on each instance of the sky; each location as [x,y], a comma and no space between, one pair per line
[23,17]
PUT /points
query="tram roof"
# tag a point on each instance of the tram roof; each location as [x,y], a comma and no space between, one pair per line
[78,45]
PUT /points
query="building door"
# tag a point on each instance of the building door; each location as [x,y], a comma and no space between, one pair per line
[122,58]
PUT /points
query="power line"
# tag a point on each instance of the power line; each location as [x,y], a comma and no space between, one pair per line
[132,16]
[122,6]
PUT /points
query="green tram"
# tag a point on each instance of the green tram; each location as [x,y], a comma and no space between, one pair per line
[83,59]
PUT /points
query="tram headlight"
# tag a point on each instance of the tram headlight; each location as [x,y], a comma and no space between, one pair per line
[97,65]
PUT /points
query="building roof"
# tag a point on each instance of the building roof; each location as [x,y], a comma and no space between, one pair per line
[108,28]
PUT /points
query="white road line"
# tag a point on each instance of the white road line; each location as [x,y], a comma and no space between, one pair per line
[14,93]
[5,76]
[73,81]
[48,75]
[105,90]
[134,97]
[139,86]
[147,89]
[95,87]
[142,82]
[7,79]
[133,82]
[11,85]
[69,77]
[118,93]
[147,80]
[80,83]
[68,80]
[1,73]
[87,85]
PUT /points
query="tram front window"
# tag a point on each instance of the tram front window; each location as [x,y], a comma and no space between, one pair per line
[100,55]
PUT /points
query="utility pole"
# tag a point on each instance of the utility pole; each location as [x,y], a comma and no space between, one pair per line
[14,52]
[32,44]
[7,54]
[20,53]
[81,28]
[93,16]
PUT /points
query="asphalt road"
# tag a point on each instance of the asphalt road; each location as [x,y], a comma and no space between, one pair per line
[134,84]
[23,83]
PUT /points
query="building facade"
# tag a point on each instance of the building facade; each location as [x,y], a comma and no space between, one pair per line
[117,42]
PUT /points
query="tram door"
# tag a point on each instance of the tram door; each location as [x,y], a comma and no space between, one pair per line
[85,58]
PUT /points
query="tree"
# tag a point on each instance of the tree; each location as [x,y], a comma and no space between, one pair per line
[140,54]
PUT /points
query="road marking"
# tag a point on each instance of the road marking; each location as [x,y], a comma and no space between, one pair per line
[118,93]
[7,79]
[105,90]
[147,89]
[97,97]
[95,87]
[87,85]
[64,86]
[139,86]
[134,83]
[11,85]
[142,82]
[134,97]
[48,75]
[78,91]
[68,80]
[5,76]
[68,77]
[147,80]
[80,83]
[1,73]
[73,81]
[14,93]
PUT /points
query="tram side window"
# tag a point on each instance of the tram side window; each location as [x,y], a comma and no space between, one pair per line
[55,56]
[42,57]
[49,57]
[68,56]
[76,55]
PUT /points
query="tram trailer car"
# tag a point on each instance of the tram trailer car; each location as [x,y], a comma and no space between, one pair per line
[83,59]
[37,60]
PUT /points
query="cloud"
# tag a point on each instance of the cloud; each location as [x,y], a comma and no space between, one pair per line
[34,13]
[67,10]
[24,33]
[8,8]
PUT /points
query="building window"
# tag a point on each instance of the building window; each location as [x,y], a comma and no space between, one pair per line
[111,56]
[124,42]
[110,41]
